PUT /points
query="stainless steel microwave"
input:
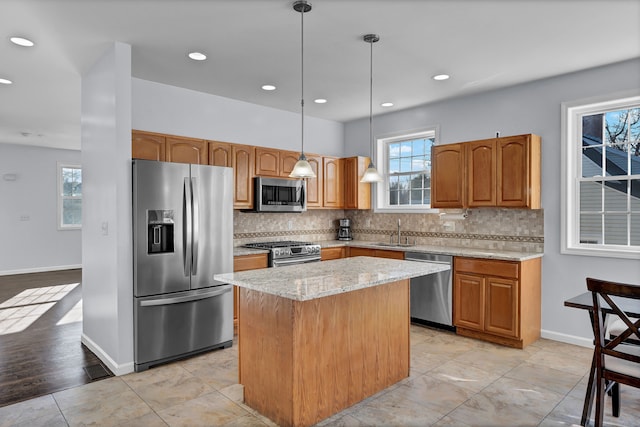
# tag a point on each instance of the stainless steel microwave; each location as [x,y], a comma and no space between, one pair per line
[280,195]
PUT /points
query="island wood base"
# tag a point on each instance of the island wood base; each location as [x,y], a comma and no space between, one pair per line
[303,361]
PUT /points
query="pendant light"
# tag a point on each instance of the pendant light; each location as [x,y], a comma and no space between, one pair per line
[371,174]
[302,168]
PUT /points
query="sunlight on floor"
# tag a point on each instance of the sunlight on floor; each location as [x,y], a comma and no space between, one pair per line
[73,315]
[19,312]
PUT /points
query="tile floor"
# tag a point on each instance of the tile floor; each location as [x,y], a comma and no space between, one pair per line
[454,381]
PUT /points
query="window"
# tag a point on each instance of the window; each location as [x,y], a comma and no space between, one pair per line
[601,158]
[406,167]
[69,197]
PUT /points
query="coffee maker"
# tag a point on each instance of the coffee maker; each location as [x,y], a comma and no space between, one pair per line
[344,232]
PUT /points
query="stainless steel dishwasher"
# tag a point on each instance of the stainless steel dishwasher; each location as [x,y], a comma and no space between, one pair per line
[431,295]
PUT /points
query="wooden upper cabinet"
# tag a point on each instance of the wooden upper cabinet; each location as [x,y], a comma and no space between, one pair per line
[148,146]
[220,153]
[267,161]
[315,185]
[499,172]
[518,171]
[357,195]
[187,150]
[242,162]
[333,182]
[447,176]
[481,177]
[287,160]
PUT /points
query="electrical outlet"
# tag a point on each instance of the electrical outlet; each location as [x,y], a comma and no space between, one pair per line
[105,228]
[448,226]
[290,225]
[25,218]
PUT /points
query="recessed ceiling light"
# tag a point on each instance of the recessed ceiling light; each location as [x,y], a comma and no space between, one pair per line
[21,41]
[5,81]
[387,104]
[197,56]
[441,77]
[320,101]
[268,87]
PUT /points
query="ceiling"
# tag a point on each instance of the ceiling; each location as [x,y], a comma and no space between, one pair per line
[482,44]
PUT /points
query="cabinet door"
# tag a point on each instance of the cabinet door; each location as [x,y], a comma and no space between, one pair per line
[186,150]
[389,254]
[147,146]
[267,161]
[220,153]
[288,160]
[333,253]
[481,173]
[469,304]
[354,251]
[243,263]
[333,197]
[502,307]
[315,185]
[447,176]
[357,195]
[242,161]
[513,171]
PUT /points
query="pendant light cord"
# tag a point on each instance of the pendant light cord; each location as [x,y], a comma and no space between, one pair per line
[302,79]
[371,104]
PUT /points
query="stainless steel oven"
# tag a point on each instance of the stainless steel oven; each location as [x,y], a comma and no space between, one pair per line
[289,252]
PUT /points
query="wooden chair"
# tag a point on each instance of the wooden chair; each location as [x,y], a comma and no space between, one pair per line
[616,361]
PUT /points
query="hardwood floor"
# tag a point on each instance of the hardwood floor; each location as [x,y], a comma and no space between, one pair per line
[40,329]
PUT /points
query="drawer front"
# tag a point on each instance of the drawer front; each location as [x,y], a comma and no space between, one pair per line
[250,262]
[487,267]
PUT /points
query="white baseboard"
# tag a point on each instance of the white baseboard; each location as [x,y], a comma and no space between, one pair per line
[569,339]
[122,369]
[40,269]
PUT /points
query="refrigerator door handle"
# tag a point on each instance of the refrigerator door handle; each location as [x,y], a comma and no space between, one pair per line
[186,226]
[220,290]
[195,223]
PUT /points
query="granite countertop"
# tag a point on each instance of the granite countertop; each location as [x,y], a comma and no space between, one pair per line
[304,282]
[445,250]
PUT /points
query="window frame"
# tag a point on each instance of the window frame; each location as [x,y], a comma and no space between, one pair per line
[380,195]
[61,197]
[571,165]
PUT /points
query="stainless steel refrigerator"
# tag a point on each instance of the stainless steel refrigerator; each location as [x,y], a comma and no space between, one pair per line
[182,235]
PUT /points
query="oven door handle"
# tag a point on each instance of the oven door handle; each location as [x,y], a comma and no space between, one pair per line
[283,262]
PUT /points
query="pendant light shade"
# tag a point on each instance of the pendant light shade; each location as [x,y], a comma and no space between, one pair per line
[302,168]
[371,174]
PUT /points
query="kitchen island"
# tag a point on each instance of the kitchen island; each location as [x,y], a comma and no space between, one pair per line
[317,338]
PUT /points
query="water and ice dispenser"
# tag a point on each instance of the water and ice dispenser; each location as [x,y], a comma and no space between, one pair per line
[160,231]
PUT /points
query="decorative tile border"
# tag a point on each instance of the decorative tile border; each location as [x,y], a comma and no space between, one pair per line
[408,233]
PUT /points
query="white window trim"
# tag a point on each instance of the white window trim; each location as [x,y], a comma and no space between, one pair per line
[571,129]
[381,160]
[60,198]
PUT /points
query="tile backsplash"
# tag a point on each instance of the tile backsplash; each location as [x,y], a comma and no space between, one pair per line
[487,228]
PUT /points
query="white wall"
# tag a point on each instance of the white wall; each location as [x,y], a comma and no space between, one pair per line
[168,109]
[34,244]
[528,108]
[107,273]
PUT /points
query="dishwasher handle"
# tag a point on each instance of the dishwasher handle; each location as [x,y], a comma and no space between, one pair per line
[428,257]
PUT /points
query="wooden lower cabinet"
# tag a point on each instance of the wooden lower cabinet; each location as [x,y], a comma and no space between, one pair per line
[244,263]
[498,301]
[303,361]
[380,253]
[327,254]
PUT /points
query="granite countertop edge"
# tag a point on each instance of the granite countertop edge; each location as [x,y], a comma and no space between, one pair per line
[305,282]
[445,250]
